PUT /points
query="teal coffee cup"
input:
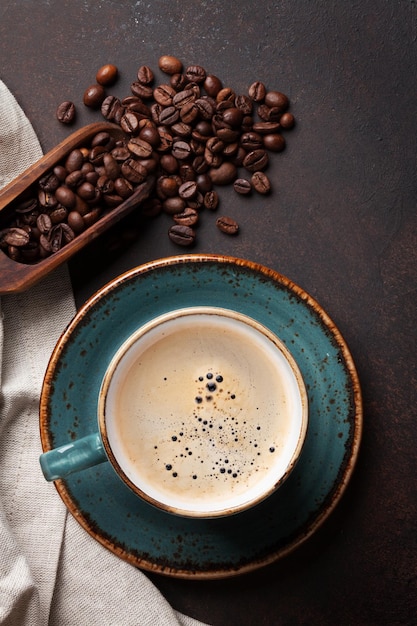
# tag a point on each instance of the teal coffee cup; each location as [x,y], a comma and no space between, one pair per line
[202,412]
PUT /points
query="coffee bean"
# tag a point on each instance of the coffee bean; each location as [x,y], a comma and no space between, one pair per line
[256,160]
[165,140]
[74,179]
[226,93]
[215,145]
[181,150]
[107,74]
[170,64]
[174,205]
[182,130]
[94,96]
[58,237]
[178,81]
[276,99]
[197,202]
[223,175]
[211,200]
[26,206]
[287,120]
[134,171]
[46,200]
[164,95]
[121,153]
[145,75]
[169,115]
[230,150]
[91,217]
[129,122]
[110,200]
[274,142]
[188,190]
[81,205]
[228,135]
[45,245]
[66,197]
[76,222]
[111,167]
[266,128]
[205,109]
[195,74]
[183,97]
[44,223]
[96,155]
[110,107]
[227,225]
[16,237]
[182,235]
[66,112]
[103,139]
[49,182]
[257,91]
[86,191]
[140,108]
[242,186]
[58,215]
[188,217]
[189,112]
[67,233]
[168,163]
[247,123]
[251,141]
[213,159]
[269,114]
[123,187]
[140,148]
[167,187]
[204,183]
[105,185]
[212,85]
[141,90]
[245,104]
[74,161]
[233,116]
[87,169]
[150,134]
[198,166]
[187,171]
[261,182]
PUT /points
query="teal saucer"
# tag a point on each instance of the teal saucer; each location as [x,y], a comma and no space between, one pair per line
[157,541]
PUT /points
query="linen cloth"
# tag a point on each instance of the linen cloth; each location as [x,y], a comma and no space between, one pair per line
[51,570]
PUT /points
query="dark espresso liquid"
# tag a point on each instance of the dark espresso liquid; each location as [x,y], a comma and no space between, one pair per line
[205,409]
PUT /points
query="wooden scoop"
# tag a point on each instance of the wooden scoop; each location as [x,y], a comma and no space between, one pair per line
[16,276]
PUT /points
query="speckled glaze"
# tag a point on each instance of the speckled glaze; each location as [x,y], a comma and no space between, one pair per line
[157,541]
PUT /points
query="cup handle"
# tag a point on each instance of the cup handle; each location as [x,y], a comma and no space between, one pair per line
[73,457]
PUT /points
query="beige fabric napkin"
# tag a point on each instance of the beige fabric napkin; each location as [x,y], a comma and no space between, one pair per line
[51,571]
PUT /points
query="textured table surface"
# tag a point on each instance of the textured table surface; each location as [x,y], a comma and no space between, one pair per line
[341,222]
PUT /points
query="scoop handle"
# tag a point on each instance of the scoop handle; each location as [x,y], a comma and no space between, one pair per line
[73,457]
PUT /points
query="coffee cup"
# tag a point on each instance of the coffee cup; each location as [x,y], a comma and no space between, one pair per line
[202,412]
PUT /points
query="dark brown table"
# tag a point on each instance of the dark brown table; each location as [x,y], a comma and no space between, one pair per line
[341,222]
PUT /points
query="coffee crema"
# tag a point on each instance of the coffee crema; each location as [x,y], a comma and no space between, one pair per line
[203,409]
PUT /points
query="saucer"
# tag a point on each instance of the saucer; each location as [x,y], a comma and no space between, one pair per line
[197,548]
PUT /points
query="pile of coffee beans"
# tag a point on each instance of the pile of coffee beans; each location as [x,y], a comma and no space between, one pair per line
[190,133]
